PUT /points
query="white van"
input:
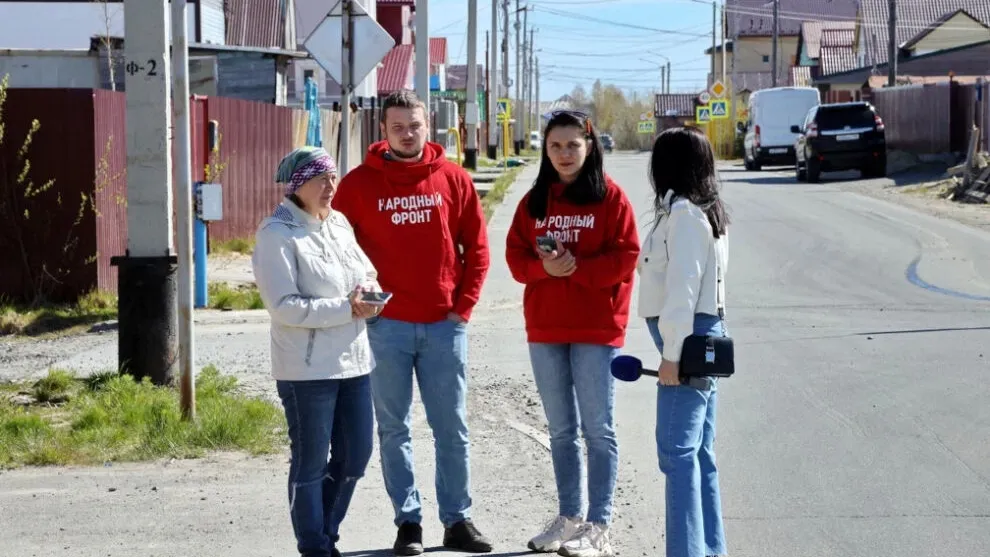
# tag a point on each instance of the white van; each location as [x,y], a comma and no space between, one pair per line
[769,140]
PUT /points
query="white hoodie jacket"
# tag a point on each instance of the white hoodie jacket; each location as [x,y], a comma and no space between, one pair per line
[305,269]
[677,272]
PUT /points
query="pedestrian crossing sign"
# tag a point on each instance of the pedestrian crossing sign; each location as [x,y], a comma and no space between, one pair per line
[720,109]
[503,110]
[703,114]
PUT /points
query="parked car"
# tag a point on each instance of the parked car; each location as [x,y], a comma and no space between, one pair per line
[841,136]
[607,142]
[769,140]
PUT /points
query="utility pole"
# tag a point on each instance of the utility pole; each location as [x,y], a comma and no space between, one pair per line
[471,116]
[146,341]
[423,54]
[516,110]
[347,69]
[723,37]
[182,147]
[539,115]
[529,83]
[668,76]
[505,48]
[711,80]
[891,43]
[663,78]
[776,39]
[493,87]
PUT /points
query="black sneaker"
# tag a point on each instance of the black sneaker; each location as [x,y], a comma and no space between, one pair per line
[464,536]
[409,541]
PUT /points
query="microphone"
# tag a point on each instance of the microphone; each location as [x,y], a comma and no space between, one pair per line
[630,368]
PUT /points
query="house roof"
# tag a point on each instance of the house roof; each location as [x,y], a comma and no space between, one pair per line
[913,41]
[811,34]
[457,77]
[254,23]
[674,104]
[755,17]
[912,18]
[397,69]
[963,60]
[838,52]
[438,50]
[396,2]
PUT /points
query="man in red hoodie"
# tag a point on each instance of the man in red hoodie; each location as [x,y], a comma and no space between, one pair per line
[419,219]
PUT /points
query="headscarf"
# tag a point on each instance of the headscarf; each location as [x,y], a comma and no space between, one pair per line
[301,165]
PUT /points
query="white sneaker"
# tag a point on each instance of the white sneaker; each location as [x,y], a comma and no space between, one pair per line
[555,533]
[590,540]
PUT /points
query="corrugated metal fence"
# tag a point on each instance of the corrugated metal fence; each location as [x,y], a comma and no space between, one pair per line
[59,241]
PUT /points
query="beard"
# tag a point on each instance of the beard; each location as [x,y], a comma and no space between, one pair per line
[398,151]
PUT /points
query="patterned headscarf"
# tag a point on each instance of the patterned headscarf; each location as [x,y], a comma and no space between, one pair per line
[302,165]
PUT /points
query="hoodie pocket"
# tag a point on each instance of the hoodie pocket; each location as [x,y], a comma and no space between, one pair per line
[309,346]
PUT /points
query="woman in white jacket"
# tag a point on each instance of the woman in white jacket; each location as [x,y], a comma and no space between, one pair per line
[681,293]
[310,273]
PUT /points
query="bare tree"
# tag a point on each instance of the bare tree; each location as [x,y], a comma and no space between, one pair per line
[106,39]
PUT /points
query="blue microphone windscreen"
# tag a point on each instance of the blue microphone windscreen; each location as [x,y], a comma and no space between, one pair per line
[626,368]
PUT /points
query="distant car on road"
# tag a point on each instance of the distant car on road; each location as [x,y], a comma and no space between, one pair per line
[769,140]
[535,141]
[841,136]
[607,142]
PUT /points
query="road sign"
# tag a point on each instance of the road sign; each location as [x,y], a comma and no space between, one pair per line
[642,116]
[503,111]
[703,114]
[369,43]
[646,126]
[720,109]
[717,89]
[704,97]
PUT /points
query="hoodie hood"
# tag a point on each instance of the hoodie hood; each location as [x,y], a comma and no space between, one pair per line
[401,173]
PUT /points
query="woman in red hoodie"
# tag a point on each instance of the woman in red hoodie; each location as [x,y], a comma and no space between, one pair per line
[574,244]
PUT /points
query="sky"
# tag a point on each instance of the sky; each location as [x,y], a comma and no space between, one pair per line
[622,42]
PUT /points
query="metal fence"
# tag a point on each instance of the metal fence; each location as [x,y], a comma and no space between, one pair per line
[63,237]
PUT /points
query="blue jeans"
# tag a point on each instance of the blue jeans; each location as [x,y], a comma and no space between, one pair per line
[436,353]
[685,445]
[324,416]
[576,387]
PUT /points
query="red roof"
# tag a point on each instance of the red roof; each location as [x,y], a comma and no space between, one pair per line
[396,3]
[397,69]
[438,50]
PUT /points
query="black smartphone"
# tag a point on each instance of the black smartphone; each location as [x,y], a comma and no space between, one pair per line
[378,298]
[546,243]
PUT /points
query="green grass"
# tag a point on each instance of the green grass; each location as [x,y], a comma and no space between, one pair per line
[496,195]
[113,418]
[221,295]
[236,245]
[41,319]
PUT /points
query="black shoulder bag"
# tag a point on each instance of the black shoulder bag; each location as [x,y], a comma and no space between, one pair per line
[706,355]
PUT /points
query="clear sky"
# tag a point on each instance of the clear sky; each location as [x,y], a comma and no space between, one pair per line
[622,42]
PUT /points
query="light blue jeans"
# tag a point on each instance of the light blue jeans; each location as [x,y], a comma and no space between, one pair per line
[685,445]
[576,387]
[436,353]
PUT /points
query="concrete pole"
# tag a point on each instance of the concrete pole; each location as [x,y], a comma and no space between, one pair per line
[539,115]
[517,109]
[493,87]
[346,66]
[147,344]
[471,116]
[182,148]
[776,38]
[423,53]
[529,88]
[505,49]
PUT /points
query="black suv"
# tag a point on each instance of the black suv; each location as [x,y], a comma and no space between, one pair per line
[607,142]
[841,136]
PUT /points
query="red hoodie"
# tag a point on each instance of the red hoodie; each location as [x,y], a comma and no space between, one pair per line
[592,305]
[412,219]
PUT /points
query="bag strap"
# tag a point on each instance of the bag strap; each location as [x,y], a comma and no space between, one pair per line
[719,289]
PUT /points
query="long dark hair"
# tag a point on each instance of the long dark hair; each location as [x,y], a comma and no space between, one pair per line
[683,161]
[590,186]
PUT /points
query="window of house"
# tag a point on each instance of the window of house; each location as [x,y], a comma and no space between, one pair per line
[766,59]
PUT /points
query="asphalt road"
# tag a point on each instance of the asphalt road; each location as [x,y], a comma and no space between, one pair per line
[857,424]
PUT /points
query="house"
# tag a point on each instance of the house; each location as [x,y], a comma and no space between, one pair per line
[234,51]
[809,47]
[944,36]
[749,27]
[673,110]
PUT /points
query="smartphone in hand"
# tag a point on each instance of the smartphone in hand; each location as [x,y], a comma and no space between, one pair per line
[546,244]
[376,298]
